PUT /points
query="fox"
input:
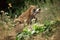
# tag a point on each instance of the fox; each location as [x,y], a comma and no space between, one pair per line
[28,15]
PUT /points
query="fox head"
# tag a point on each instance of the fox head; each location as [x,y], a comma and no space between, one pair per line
[34,10]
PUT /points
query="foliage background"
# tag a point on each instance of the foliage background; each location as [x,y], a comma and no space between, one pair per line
[50,8]
[50,11]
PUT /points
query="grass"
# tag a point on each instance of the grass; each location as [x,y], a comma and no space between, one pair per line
[47,28]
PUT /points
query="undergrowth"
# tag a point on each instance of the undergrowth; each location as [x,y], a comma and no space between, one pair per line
[47,28]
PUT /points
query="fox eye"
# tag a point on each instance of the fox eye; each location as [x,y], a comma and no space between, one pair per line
[34,10]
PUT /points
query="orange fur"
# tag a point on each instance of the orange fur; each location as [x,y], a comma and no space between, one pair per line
[27,16]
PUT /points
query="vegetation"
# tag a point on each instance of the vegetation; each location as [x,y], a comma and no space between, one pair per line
[46,26]
[48,29]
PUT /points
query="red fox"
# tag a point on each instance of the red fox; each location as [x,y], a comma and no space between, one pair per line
[28,15]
